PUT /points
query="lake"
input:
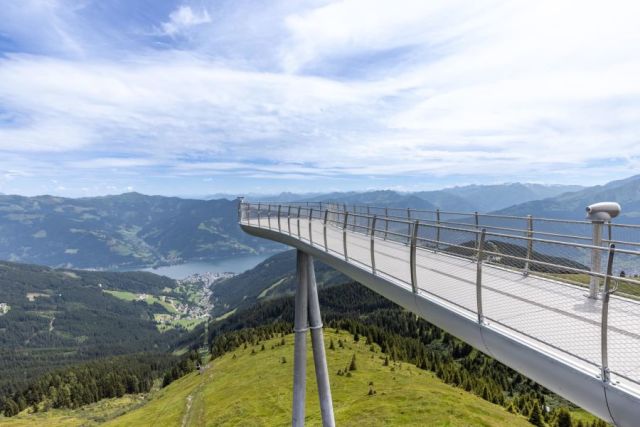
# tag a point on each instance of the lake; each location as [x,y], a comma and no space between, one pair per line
[235,264]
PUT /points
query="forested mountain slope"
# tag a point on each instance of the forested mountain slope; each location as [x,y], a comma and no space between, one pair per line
[127,230]
[272,278]
[56,318]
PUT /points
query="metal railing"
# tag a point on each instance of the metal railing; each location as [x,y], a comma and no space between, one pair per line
[544,252]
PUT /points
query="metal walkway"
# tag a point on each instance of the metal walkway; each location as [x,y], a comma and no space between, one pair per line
[490,286]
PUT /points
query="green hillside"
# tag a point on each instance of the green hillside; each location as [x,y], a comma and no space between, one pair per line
[253,387]
[272,278]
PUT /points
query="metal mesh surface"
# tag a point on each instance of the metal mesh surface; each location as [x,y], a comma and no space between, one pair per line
[534,276]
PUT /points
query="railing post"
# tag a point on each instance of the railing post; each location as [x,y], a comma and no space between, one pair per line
[372,234]
[412,257]
[299,209]
[529,244]
[368,218]
[324,230]
[477,221]
[279,212]
[437,229]
[355,217]
[605,315]
[409,225]
[240,209]
[386,222]
[269,217]
[344,236]
[479,276]
[289,219]
[310,226]
[594,283]
[259,209]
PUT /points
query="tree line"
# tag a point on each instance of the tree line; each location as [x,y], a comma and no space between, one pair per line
[87,383]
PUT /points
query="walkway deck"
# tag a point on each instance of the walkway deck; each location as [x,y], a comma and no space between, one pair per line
[545,328]
[550,314]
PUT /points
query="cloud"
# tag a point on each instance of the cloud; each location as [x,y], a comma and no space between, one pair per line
[184,18]
[410,91]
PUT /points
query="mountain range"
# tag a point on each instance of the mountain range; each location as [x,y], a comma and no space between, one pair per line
[469,198]
[572,205]
[133,230]
[128,230]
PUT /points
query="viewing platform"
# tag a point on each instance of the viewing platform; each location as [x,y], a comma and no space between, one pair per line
[540,295]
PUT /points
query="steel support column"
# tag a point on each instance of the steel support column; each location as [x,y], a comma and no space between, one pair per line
[300,344]
[317,341]
[307,316]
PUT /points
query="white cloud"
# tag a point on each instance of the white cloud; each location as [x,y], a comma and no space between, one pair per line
[44,136]
[351,88]
[183,18]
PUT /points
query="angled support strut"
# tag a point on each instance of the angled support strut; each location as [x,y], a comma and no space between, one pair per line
[308,310]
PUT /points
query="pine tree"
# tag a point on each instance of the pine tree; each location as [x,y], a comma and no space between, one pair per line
[535,417]
[331,345]
[386,361]
[10,408]
[563,419]
[352,365]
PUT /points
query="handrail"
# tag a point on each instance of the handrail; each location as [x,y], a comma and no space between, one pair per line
[443,212]
[501,235]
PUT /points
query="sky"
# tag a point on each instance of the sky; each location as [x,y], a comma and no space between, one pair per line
[183,97]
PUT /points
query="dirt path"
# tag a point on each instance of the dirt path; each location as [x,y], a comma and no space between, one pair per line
[188,411]
[194,413]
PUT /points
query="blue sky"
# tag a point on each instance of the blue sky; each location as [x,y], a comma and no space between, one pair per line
[200,97]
